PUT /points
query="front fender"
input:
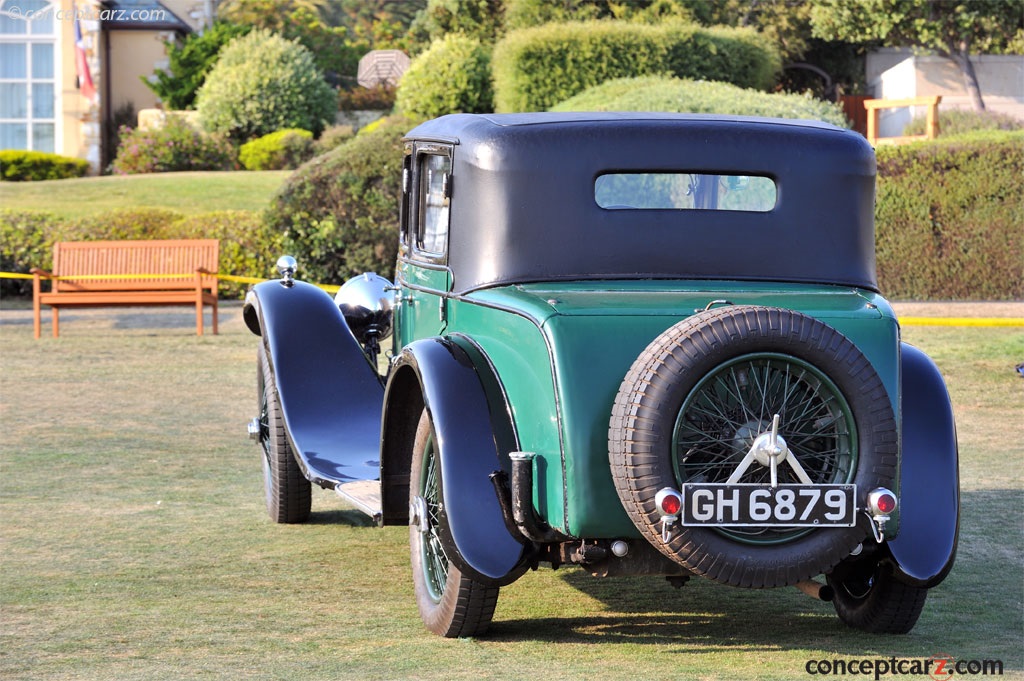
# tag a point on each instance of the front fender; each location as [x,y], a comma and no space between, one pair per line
[925,548]
[330,395]
[438,375]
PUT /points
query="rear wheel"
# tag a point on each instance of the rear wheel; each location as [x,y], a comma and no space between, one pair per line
[450,604]
[871,599]
[288,493]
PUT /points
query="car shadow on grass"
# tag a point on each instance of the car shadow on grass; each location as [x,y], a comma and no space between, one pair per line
[967,615]
[349,517]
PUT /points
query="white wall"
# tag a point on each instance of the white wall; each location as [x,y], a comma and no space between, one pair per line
[900,74]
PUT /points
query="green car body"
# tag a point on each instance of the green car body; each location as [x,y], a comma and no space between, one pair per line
[640,344]
[562,349]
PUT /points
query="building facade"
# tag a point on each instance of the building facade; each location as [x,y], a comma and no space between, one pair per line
[70,70]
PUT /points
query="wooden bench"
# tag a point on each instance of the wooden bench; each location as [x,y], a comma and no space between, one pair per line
[144,273]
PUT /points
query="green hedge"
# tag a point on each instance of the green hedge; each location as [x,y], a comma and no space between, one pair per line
[247,246]
[21,166]
[948,218]
[282,150]
[661,93]
[452,76]
[536,68]
[338,214]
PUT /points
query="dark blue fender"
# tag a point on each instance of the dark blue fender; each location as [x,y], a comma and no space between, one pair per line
[439,375]
[925,547]
[330,395]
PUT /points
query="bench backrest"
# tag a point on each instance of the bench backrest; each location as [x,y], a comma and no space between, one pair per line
[148,258]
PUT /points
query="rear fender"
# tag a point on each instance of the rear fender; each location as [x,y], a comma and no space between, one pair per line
[439,375]
[330,395]
[925,548]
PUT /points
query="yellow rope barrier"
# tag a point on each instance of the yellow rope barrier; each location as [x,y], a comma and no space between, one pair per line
[330,288]
[962,321]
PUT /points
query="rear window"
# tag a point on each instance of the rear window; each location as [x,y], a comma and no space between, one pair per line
[685,191]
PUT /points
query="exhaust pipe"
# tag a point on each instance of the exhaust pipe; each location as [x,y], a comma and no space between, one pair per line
[816,590]
[522,500]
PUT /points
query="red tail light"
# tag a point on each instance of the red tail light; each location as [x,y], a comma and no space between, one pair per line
[669,501]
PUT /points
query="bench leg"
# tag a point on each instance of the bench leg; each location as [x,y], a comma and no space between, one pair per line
[199,317]
[56,321]
[215,317]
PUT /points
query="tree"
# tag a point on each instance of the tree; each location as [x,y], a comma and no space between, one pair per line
[189,63]
[480,19]
[301,20]
[954,30]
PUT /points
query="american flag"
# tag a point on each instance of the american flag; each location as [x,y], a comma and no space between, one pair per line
[85,84]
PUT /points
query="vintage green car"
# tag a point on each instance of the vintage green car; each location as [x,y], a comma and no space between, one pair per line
[641,344]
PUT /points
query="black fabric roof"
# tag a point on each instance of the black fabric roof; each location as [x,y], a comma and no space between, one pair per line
[523,206]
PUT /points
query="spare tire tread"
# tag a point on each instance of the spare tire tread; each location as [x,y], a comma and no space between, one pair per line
[648,402]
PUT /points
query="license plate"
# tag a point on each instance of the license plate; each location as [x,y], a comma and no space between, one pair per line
[749,505]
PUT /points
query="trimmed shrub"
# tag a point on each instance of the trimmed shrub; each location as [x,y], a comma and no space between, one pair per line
[960,121]
[27,166]
[452,76]
[659,93]
[262,83]
[537,68]
[128,223]
[281,150]
[948,218]
[338,214]
[175,146]
[26,238]
[248,247]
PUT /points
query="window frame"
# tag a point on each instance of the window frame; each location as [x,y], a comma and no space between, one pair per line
[37,34]
[414,233]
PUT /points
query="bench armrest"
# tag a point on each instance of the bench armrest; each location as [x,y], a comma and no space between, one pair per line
[42,273]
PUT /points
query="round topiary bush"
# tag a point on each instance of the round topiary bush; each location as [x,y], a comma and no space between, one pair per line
[338,214]
[656,93]
[452,76]
[262,83]
[281,150]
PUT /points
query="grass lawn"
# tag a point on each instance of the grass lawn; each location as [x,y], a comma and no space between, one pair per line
[134,543]
[188,192]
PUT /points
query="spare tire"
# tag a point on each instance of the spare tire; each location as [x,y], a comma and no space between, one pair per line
[694,401]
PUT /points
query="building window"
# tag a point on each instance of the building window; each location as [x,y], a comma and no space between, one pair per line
[28,77]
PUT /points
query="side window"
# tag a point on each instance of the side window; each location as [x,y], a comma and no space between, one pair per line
[404,216]
[434,193]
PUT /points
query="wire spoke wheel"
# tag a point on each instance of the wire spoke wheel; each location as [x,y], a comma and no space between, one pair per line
[450,603]
[435,560]
[699,404]
[736,402]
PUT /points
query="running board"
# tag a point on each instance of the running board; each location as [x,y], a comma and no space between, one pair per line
[364,495]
